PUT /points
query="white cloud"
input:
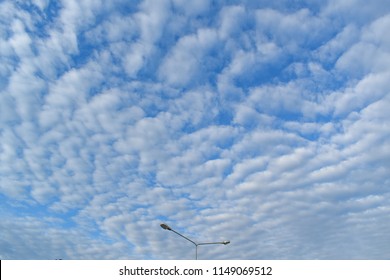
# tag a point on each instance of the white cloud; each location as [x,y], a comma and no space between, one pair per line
[290,31]
[232,18]
[52,241]
[285,99]
[20,41]
[194,8]
[368,90]
[185,64]
[370,54]
[335,47]
[355,10]
[41,4]
[151,19]
[135,60]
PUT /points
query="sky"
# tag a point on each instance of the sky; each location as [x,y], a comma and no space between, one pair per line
[265,123]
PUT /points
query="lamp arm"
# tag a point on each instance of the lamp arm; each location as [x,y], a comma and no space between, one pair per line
[211,243]
[193,242]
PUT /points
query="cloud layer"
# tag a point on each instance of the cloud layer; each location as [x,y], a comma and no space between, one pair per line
[265,124]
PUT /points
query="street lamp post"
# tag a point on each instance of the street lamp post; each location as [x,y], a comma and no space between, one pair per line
[166,227]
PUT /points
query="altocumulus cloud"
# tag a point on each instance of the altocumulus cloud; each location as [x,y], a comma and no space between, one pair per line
[263,123]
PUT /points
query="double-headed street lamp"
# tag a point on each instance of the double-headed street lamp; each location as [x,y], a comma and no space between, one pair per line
[166,227]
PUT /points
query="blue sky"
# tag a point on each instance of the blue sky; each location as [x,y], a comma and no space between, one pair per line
[261,122]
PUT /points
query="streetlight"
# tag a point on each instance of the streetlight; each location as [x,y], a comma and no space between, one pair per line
[166,227]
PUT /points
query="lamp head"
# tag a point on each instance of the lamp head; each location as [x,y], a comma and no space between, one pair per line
[165,226]
[225,242]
